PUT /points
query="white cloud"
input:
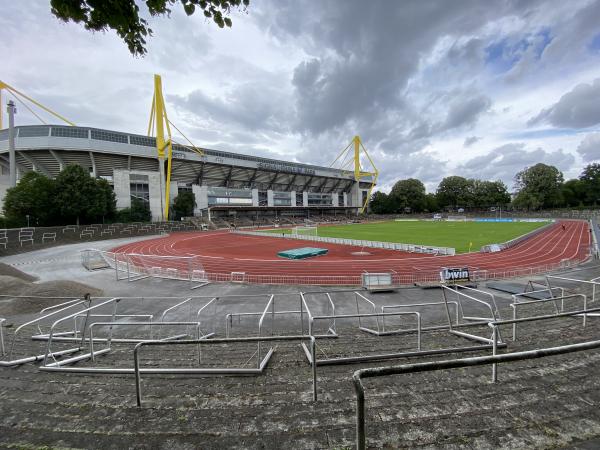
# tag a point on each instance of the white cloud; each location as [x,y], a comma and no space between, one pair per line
[433,90]
[589,149]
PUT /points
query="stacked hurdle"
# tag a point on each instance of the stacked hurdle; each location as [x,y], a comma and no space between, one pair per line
[26,235]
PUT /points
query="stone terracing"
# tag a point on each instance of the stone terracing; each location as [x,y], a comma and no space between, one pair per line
[537,404]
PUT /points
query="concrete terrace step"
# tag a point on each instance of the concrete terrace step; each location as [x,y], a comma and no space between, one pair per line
[536,404]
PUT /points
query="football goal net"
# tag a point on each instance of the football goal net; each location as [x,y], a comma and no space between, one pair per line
[304,231]
[456,218]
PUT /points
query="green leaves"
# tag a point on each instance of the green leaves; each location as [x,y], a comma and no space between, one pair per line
[73,196]
[539,187]
[123,17]
[184,204]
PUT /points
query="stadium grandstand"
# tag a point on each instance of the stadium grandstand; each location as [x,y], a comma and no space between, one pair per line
[225,184]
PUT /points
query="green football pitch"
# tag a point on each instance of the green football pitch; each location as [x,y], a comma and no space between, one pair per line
[459,235]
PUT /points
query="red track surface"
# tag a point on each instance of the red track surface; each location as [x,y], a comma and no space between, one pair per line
[221,253]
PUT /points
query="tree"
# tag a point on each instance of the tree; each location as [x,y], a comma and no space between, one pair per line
[138,212]
[539,186]
[123,16]
[489,193]
[431,203]
[184,204]
[573,193]
[104,203]
[79,197]
[408,194]
[590,179]
[454,192]
[381,203]
[33,196]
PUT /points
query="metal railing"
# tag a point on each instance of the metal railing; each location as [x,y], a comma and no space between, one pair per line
[111,325]
[514,307]
[419,305]
[593,282]
[2,351]
[383,356]
[50,354]
[494,314]
[360,375]
[57,309]
[215,371]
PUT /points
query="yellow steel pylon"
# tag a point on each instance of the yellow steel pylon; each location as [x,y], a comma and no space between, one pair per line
[351,156]
[22,98]
[158,123]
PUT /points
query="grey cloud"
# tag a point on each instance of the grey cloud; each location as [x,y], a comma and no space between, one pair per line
[253,106]
[306,73]
[579,108]
[420,165]
[466,111]
[366,55]
[589,148]
[574,29]
[470,140]
[503,162]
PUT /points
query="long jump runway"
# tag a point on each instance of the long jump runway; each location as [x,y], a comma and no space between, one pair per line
[222,252]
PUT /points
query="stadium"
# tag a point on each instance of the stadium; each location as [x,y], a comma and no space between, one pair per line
[282,313]
[230,185]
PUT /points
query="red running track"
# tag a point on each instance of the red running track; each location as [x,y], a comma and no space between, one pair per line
[220,253]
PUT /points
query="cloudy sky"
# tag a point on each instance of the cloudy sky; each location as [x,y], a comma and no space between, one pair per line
[434,88]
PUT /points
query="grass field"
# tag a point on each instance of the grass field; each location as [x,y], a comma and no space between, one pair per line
[440,234]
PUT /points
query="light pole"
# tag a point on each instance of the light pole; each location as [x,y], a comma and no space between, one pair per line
[11,110]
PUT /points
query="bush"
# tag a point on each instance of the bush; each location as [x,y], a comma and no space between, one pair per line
[139,212]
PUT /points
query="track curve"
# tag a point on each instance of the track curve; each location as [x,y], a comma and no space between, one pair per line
[220,253]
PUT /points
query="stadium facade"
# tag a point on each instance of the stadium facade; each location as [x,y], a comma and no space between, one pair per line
[224,183]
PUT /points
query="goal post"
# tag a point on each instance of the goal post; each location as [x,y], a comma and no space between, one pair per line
[456,218]
[305,231]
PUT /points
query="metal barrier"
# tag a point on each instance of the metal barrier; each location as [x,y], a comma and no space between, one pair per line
[2,351]
[111,325]
[359,375]
[49,353]
[58,309]
[381,315]
[415,305]
[494,314]
[496,330]
[593,282]
[545,300]
[138,266]
[229,371]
